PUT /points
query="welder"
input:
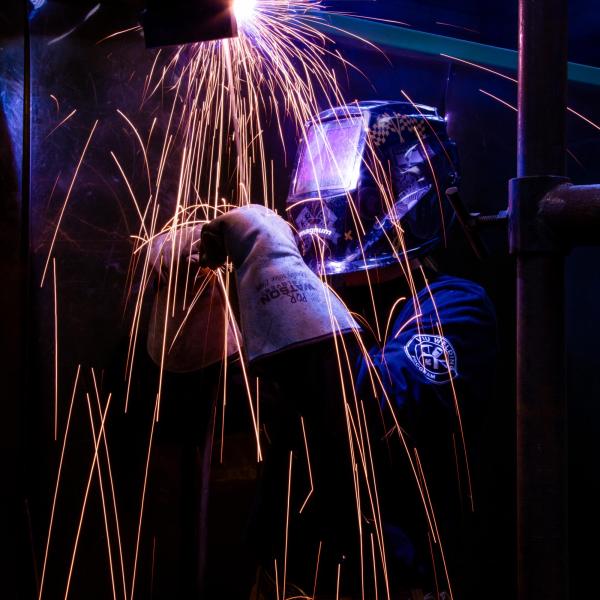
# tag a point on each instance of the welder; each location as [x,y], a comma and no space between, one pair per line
[368,212]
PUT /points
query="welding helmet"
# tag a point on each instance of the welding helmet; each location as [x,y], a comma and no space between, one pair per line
[368,186]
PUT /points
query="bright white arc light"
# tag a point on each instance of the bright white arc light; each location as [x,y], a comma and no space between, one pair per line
[243,10]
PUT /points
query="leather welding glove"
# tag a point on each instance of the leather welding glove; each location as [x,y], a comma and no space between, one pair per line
[172,246]
[189,324]
[282,303]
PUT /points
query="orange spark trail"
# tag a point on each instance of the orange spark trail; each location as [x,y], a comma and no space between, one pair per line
[314,594]
[55,100]
[117,33]
[481,67]
[431,128]
[61,123]
[499,100]
[393,21]
[454,394]
[407,323]
[85,497]
[53,189]
[374,567]
[457,26]
[153,564]
[277,580]
[135,202]
[373,370]
[144,154]
[112,490]
[435,575]
[225,365]
[244,373]
[595,125]
[55,352]
[457,462]
[60,465]
[472,64]
[355,426]
[439,538]
[435,181]
[144,487]
[137,314]
[391,314]
[287,523]
[62,212]
[377,510]
[569,152]
[258,404]
[309,468]
[103,498]
[357,432]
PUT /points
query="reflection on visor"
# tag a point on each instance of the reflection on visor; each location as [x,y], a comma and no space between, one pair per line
[330,158]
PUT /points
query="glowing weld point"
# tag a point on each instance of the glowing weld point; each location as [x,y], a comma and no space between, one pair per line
[243,10]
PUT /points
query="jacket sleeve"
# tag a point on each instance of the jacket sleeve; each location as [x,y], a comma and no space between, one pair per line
[440,348]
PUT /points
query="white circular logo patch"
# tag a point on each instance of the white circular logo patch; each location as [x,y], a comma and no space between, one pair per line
[433,356]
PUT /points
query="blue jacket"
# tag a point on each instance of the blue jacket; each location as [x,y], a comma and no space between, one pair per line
[437,367]
[447,333]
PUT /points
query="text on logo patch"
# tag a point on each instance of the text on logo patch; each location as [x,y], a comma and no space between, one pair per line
[433,356]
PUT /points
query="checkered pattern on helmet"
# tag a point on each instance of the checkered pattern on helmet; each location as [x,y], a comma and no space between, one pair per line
[394,123]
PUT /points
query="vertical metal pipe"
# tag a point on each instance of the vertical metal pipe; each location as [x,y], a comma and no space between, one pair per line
[542,87]
[541,439]
[14,521]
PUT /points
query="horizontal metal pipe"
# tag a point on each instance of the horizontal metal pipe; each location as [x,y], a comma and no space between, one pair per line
[573,213]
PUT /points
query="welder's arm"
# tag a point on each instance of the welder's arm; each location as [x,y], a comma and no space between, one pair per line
[449,350]
[282,302]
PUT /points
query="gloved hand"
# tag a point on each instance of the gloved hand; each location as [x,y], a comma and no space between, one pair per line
[282,302]
[189,317]
[173,245]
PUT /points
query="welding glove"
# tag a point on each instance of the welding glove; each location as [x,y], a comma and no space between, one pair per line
[189,324]
[173,246]
[282,303]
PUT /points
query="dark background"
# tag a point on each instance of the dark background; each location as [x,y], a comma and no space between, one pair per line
[94,247]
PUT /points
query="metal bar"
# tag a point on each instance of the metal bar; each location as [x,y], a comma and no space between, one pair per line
[403,38]
[14,115]
[573,213]
[466,222]
[541,440]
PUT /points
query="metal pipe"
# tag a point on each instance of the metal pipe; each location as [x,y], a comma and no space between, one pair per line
[541,439]
[466,222]
[573,213]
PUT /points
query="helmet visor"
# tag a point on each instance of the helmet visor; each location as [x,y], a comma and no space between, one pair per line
[330,158]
